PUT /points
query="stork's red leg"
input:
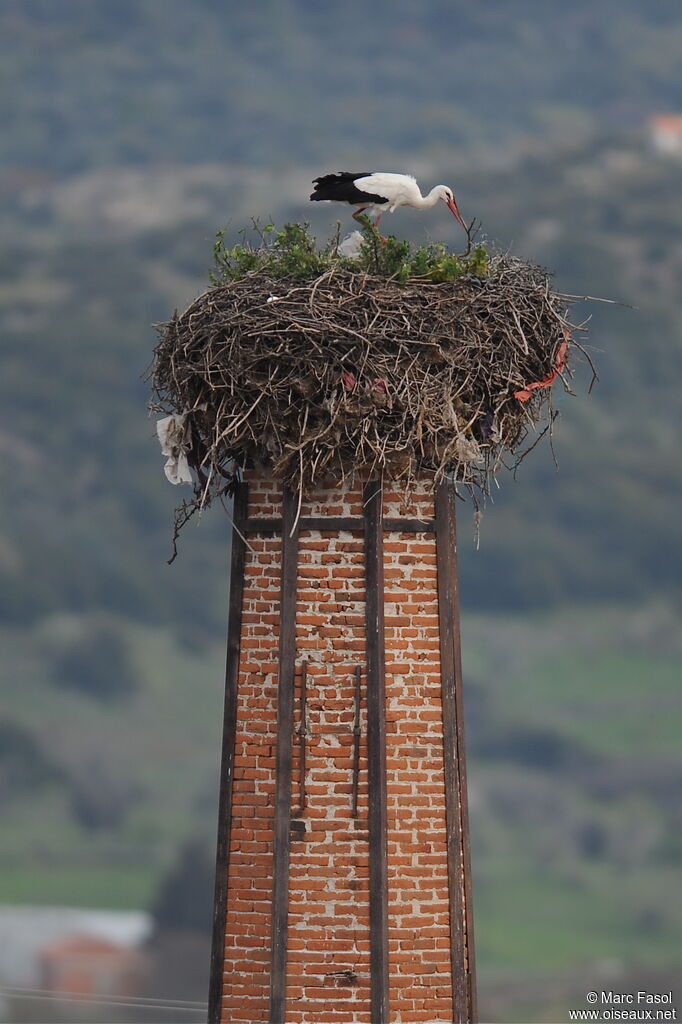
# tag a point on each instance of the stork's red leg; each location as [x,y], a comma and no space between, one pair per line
[376,228]
[356,216]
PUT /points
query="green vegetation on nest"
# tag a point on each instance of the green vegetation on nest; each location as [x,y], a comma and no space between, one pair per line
[293,252]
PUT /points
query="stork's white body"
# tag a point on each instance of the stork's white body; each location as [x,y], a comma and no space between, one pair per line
[399,190]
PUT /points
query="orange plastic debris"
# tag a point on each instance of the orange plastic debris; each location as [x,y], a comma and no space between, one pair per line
[559,366]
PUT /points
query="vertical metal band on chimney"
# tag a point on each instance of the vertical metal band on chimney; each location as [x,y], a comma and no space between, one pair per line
[234,624]
[285,728]
[457,822]
[376,751]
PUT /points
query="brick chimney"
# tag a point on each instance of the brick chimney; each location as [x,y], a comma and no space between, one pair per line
[343,880]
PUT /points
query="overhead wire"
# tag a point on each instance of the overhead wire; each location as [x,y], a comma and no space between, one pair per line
[141,1002]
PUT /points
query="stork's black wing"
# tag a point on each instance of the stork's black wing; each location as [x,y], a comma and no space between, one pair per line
[342,188]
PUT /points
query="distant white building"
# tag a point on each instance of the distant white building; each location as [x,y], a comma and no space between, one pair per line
[665,134]
[27,933]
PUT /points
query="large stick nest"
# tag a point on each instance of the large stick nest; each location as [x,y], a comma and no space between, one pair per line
[348,372]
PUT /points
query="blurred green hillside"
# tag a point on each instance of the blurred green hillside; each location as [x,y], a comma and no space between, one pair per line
[91,83]
[573,741]
[135,130]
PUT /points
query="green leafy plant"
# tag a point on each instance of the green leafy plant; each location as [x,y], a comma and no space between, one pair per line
[293,253]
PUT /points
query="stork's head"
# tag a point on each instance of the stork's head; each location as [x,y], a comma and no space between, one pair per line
[448,198]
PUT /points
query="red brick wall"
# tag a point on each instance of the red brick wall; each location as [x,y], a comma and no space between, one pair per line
[328,895]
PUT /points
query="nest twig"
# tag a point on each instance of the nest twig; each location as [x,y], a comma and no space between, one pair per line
[350,371]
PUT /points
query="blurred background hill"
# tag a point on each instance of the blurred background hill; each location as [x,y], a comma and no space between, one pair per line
[132,132]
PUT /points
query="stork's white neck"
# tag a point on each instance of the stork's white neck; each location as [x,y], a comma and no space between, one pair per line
[426,202]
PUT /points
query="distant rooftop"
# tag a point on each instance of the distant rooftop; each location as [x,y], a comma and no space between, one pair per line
[666,122]
[26,931]
[665,133]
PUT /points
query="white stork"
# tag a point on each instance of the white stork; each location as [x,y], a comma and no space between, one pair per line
[378,191]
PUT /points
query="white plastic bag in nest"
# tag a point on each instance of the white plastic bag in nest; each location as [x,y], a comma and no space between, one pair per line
[350,246]
[173,435]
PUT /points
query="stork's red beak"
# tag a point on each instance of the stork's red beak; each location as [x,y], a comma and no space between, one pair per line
[452,206]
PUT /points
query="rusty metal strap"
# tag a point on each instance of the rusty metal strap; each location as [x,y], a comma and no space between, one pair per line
[283,761]
[376,753]
[234,619]
[334,524]
[457,823]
